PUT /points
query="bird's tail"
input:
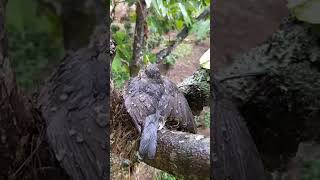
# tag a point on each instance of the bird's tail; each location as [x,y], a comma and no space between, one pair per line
[148,142]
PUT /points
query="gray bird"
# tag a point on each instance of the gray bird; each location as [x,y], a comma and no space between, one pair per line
[74,104]
[152,100]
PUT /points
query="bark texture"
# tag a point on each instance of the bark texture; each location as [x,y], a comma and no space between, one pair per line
[183,154]
[281,107]
[196,89]
[234,154]
[138,44]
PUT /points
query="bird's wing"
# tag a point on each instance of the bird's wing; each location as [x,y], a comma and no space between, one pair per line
[138,102]
[180,110]
[74,105]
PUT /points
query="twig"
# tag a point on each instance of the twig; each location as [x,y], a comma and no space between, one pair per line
[15,174]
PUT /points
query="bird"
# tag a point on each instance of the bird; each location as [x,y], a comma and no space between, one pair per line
[73,103]
[152,100]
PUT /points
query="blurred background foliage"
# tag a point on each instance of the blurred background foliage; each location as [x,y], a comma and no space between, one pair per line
[35,43]
[164,17]
[311,170]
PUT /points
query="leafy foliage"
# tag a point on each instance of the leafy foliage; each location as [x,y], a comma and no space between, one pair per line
[163,16]
[201,29]
[175,13]
[183,49]
[312,171]
[120,64]
[30,53]
[164,176]
[32,44]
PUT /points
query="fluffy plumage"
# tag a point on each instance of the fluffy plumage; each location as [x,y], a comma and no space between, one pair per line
[151,100]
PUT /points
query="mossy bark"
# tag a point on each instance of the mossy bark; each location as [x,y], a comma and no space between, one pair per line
[282,106]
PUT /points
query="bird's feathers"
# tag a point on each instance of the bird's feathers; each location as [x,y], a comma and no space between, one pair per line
[148,143]
[144,97]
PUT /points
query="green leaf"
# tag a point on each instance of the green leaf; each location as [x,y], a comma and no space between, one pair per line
[185,14]
[162,8]
[155,6]
[201,29]
[116,63]
[305,10]
[124,51]
[120,37]
[179,24]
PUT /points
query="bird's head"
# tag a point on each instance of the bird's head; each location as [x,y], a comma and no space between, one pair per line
[152,71]
[99,38]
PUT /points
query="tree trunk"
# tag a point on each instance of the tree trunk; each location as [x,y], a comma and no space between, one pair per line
[138,43]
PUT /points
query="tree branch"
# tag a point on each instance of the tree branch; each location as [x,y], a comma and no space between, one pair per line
[196,89]
[180,37]
[182,154]
[177,152]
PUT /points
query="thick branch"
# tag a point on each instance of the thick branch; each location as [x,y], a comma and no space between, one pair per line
[183,154]
[196,89]
[175,152]
[180,37]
